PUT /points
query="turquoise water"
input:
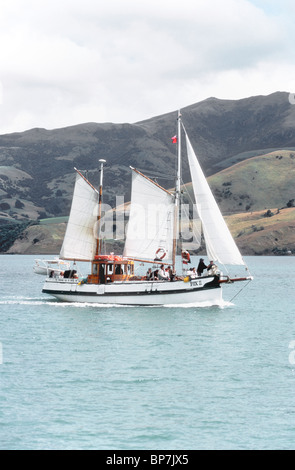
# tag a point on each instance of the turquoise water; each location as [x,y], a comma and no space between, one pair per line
[90,377]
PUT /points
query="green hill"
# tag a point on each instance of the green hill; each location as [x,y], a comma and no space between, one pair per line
[245,147]
[258,183]
[37,166]
[255,193]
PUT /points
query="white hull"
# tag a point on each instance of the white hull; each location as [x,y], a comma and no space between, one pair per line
[45,271]
[41,270]
[153,230]
[45,267]
[198,291]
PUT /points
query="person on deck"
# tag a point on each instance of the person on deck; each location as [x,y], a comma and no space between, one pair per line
[201,267]
[171,273]
[193,273]
[211,268]
[149,274]
[163,275]
[168,273]
[155,275]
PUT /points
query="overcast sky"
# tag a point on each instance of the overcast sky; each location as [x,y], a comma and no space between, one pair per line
[65,62]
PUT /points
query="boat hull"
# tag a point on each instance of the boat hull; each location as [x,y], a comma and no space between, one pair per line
[205,291]
[45,267]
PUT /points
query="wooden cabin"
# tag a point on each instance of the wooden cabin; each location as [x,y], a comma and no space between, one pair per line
[109,268]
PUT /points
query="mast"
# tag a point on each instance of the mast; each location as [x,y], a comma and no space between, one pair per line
[177,193]
[99,241]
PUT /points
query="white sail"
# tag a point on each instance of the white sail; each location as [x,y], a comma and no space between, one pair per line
[80,241]
[150,227]
[220,244]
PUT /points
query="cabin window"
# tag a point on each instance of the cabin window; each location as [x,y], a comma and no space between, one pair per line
[110,269]
[118,269]
[94,269]
[127,269]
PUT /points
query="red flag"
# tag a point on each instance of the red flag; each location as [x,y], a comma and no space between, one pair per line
[174,139]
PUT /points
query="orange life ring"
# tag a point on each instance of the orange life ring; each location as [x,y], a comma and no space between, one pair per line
[162,256]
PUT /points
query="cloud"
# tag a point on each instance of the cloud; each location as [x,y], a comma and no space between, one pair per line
[77,61]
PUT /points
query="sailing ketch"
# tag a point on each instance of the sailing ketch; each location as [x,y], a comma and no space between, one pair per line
[151,238]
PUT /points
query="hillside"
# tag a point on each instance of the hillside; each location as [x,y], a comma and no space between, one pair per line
[255,234]
[261,187]
[257,183]
[259,234]
[246,149]
[37,166]
[43,239]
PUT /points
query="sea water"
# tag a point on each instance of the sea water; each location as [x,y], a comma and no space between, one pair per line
[94,377]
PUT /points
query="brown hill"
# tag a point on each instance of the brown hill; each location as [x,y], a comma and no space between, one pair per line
[262,186]
[223,132]
[247,146]
[264,233]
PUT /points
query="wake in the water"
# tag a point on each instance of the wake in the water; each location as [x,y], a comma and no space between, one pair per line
[36,301]
[54,303]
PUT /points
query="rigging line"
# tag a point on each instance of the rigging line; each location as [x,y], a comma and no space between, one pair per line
[183,184]
[158,234]
[238,293]
[150,180]
[196,233]
[157,175]
[86,180]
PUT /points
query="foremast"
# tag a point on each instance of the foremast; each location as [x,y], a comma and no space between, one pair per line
[177,193]
[99,240]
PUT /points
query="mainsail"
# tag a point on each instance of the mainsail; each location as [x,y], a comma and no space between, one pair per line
[220,244]
[150,227]
[80,240]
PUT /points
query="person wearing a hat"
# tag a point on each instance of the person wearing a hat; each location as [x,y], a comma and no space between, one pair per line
[211,268]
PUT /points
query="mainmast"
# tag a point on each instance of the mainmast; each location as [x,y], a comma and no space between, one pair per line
[99,241]
[177,193]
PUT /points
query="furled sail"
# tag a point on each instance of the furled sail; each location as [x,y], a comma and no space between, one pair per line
[220,244]
[150,227]
[80,241]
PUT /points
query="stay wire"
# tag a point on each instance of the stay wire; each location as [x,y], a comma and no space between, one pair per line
[238,293]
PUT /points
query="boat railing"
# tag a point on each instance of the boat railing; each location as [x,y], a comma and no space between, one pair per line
[62,279]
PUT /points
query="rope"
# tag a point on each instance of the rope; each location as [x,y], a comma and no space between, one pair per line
[238,293]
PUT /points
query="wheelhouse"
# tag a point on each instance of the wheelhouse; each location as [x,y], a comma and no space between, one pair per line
[106,269]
